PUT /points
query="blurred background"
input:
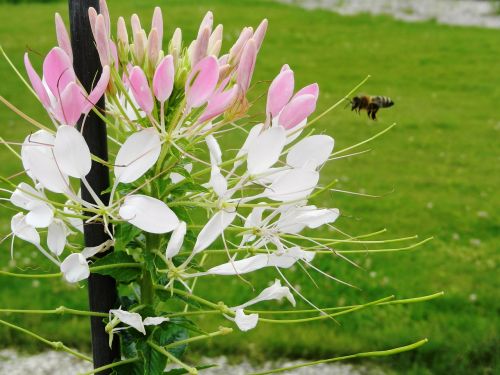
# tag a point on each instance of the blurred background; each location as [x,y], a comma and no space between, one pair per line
[437,172]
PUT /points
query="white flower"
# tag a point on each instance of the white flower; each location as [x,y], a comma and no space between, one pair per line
[213,229]
[75,268]
[265,150]
[245,322]
[40,213]
[71,152]
[56,237]
[312,152]
[135,321]
[274,292]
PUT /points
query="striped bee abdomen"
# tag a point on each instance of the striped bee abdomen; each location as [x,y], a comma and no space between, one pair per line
[382,101]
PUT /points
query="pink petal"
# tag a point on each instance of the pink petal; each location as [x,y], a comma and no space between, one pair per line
[247,65]
[153,48]
[312,89]
[297,110]
[62,36]
[136,24]
[140,89]
[215,41]
[207,21]
[163,80]
[71,104]
[280,92]
[237,48]
[157,24]
[260,33]
[102,40]
[113,51]
[58,71]
[200,46]
[36,82]
[285,67]
[92,18]
[103,9]
[98,90]
[219,103]
[201,82]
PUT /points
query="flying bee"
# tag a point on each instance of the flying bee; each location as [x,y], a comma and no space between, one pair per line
[371,104]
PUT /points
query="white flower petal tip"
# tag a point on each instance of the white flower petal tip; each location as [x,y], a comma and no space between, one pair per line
[175,242]
[245,322]
[213,229]
[75,268]
[155,320]
[310,152]
[56,237]
[265,150]
[139,153]
[71,152]
[149,214]
[134,320]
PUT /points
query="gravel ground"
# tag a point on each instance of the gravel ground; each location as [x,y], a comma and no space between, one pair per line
[452,12]
[56,363]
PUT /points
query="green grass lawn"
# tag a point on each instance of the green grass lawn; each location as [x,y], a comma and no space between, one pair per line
[437,171]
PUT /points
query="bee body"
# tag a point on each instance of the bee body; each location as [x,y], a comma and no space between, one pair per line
[371,104]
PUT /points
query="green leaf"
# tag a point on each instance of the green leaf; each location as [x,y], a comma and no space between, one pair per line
[180,371]
[154,362]
[135,368]
[170,333]
[123,275]
[124,234]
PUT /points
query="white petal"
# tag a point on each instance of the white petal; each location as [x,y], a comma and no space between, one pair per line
[39,162]
[154,321]
[252,135]
[132,319]
[313,151]
[317,218]
[239,267]
[139,153]
[246,322]
[274,292]
[75,268]
[148,214]
[71,152]
[23,230]
[89,252]
[265,150]
[294,185]
[26,196]
[176,177]
[56,237]
[40,216]
[74,221]
[175,242]
[217,181]
[214,149]
[213,229]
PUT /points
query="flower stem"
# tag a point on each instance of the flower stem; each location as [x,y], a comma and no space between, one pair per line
[56,345]
[189,369]
[61,310]
[381,353]
[111,365]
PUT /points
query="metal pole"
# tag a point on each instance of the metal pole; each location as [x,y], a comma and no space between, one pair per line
[101,289]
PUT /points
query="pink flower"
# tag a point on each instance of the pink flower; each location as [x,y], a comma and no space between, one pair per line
[59,91]
[201,82]
[141,90]
[290,111]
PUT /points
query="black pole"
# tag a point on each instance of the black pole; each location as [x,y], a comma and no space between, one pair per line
[101,289]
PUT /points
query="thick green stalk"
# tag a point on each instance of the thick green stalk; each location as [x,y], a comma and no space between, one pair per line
[147,287]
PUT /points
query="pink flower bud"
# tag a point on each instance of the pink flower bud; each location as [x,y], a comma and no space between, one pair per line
[215,41]
[207,22]
[199,48]
[260,33]
[163,80]
[297,111]
[140,43]
[92,18]
[237,48]
[136,24]
[103,9]
[140,89]
[71,104]
[62,36]
[312,89]
[153,50]
[280,92]
[157,24]
[121,31]
[102,40]
[201,82]
[247,65]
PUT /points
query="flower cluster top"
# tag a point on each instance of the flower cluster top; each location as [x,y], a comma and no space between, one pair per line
[175,192]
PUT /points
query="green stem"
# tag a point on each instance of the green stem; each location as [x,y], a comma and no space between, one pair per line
[61,310]
[56,345]
[147,286]
[111,365]
[189,369]
[381,353]
[221,332]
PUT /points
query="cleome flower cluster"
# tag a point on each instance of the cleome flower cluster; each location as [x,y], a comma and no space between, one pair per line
[197,170]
